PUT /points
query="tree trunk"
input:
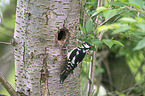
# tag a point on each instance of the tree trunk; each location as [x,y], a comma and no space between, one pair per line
[44,31]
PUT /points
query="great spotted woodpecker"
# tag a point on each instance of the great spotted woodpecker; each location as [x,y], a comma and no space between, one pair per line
[74,58]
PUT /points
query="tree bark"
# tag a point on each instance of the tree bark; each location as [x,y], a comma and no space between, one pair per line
[44,31]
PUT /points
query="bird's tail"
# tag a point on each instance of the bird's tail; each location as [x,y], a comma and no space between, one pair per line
[63,75]
[69,69]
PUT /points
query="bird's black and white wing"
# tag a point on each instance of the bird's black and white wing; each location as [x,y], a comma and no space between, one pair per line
[74,58]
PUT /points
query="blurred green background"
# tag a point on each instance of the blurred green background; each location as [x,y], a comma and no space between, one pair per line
[7,24]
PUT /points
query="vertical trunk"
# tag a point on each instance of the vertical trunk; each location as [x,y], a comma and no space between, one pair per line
[43,30]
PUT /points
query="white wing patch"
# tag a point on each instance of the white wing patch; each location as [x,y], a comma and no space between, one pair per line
[71,64]
[84,51]
[77,53]
[68,55]
[67,69]
[73,60]
[68,66]
[79,49]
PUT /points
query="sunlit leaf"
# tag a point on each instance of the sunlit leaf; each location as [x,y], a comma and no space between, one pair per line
[127,19]
[104,28]
[121,94]
[115,25]
[140,45]
[118,42]
[89,25]
[99,9]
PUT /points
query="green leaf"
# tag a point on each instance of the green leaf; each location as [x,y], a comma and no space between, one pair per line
[91,36]
[93,48]
[108,42]
[82,29]
[99,9]
[141,26]
[99,70]
[109,13]
[139,3]
[121,29]
[127,19]
[89,25]
[104,27]
[131,4]
[118,42]
[140,20]
[121,94]
[117,4]
[97,42]
[140,45]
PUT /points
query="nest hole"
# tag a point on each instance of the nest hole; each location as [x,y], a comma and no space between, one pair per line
[62,34]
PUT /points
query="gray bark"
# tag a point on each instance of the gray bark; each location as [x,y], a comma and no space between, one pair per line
[39,55]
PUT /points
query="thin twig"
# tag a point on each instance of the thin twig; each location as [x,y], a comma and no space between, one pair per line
[124,91]
[7,86]
[3,95]
[5,43]
[92,67]
[89,84]
[109,74]
[84,21]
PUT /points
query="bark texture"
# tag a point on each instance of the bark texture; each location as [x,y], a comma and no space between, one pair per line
[45,30]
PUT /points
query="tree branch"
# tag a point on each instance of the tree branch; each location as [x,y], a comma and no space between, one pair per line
[5,43]
[3,95]
[7,86]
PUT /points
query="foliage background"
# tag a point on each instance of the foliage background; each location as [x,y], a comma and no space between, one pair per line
[121,25]
[7,23]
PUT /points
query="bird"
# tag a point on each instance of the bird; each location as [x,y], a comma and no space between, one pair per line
[74,57]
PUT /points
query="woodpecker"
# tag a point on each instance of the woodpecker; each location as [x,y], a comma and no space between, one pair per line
[74,58]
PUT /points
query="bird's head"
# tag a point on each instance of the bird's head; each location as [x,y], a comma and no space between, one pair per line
[86,45]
